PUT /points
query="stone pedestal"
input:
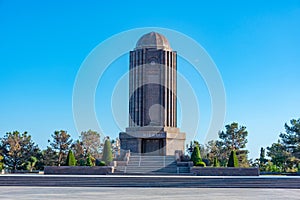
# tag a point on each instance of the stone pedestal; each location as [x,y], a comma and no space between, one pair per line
[153,140]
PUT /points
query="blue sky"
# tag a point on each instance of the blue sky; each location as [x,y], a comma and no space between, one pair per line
[254,44]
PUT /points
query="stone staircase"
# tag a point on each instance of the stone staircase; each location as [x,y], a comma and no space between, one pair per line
[152,165]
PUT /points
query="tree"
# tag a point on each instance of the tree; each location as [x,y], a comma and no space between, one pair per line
[216,162]
[49,157]
[17,149]
[217,150]
[89,161]
[61,144]
[291,138]
[196,157]
[279,155]
[235,138]
[79,154]
[1,162]
[285,154]
[203,150]
[30,165]
[91,142]
[233,160]
[71,161]
[262,159]
[107,152]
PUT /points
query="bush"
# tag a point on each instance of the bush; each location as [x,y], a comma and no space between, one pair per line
[71,161]
[1,163]
[30,164]
[107,152]
[216,162]
[206,161]
[81,162]
[200,164]
[196,157]
[89,161]
[233,161]
[100,163]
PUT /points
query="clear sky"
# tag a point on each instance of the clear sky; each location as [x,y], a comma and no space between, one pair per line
[255,45]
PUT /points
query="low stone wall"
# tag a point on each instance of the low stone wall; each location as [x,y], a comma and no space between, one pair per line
[81,170]
[185,164]
[224,171]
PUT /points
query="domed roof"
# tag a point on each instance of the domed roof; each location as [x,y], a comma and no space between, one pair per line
[153,40]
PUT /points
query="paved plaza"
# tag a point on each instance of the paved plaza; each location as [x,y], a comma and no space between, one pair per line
[30,193]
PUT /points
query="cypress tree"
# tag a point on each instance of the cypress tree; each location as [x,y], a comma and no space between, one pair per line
[233,161]
[89,161]
[71,161]
[196,157]
[216,162]
[107,153]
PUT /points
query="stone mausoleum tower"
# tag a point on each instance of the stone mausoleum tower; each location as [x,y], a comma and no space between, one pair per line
[152,99]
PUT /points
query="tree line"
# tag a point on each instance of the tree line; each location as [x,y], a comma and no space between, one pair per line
[19,152]
[281,156]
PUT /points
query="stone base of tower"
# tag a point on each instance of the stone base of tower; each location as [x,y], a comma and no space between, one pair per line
[153,140]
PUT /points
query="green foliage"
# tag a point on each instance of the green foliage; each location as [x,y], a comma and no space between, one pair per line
[233,161]
[200,164]
[17,148]
[190,149]
[279,156]
[196,157]
[285,153]
[262,160]
[107,152]
[217,150]
[81,162]
[1,162]
[78,152]
[31,163]
[90,141]
[216,162]
[61,144]
[270,167]
[291,138]
[89,161]
[235,138]
[71,161]
[49,157]
[100,163]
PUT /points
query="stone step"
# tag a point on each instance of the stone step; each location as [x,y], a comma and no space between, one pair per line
[151,158]
[145,170]
[168,181]
[151,165]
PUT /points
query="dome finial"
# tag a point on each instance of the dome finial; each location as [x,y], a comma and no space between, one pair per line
[153,40]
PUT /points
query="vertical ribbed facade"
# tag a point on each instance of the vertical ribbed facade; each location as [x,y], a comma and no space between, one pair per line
[152,87]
